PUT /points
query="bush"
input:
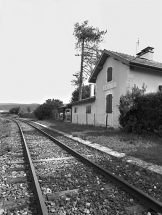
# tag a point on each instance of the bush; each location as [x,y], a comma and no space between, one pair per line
[128,108]
[14,110]
[26,115]
[149,112]
[141,113]
[45,110]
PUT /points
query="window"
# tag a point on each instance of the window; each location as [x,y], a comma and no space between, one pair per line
[75,109]
[88,109]
[109,103]
[160,88]
[109,74]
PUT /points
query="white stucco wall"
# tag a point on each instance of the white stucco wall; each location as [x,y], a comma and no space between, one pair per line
[116,87]
[151,78]
[123,78]
[81,117]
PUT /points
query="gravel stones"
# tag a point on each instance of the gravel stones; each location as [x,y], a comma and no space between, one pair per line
[72,175]
[78,189]
[141,178]
[41,147]
[134,175]
[15,198]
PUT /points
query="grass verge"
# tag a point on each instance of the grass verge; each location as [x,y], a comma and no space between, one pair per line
[146,147]
[4,134]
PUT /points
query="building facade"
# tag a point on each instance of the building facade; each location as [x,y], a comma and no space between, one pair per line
[115,74]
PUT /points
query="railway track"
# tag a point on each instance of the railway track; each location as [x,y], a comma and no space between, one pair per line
[68,182]
[146,180]
[16,187]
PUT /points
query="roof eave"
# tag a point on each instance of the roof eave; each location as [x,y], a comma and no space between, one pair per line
[90,99]
[97,69]
[101,61]
[117,57]
[145,66]
[65,106]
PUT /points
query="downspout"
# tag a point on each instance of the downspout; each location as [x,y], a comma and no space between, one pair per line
[71,114]
[106,120]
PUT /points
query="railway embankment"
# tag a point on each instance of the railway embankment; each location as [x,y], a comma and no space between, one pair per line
[142,150]
[119,163]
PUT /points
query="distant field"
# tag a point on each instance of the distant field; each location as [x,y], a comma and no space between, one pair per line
[23,107]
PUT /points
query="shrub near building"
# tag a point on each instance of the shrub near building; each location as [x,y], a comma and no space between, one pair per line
[128,108]
[140,112]
[149,113]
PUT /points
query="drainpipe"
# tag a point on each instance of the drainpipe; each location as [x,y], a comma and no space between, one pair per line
[71,114]
[106,120]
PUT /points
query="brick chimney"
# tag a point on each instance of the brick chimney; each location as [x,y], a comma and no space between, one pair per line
[92,89]
[146,53]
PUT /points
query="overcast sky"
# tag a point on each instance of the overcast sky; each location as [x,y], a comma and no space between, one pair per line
[37,46]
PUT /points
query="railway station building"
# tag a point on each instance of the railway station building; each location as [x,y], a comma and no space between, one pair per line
[115,74]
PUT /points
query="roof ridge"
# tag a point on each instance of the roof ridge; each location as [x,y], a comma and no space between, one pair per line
[126,59]
[121,53]
[135,57]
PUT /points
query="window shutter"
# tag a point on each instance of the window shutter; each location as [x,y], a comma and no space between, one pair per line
[109,74]
[109,103]
[88,109]
[75,109]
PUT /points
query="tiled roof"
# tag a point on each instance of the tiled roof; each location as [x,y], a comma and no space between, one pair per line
[126,59]
[138,60]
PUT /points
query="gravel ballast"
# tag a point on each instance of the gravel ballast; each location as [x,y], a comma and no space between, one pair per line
[15,198]
[71,175]
[144,179]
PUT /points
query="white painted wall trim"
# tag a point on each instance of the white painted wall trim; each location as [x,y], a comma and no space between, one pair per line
[109,86]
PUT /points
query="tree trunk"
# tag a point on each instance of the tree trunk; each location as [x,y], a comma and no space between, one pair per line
[81,72]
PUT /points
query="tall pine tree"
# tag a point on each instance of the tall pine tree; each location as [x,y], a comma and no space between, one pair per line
[88,40]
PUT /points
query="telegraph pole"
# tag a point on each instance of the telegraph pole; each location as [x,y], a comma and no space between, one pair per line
[81,72]
[137,46]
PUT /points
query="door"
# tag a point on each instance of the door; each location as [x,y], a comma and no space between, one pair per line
[109,114]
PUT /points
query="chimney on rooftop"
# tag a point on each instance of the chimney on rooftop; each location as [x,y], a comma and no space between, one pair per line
[146,53]
[92,90]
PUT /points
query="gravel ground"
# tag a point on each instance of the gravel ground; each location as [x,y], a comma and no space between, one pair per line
[43,147]
[143,179]
[15,198]
[91,196]
[70,174]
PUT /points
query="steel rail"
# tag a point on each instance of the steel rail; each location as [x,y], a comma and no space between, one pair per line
[139,194]
[42,209]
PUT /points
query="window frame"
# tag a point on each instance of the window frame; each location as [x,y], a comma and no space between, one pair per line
[75,109]
[109,105]
[109,76]
[88,109]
